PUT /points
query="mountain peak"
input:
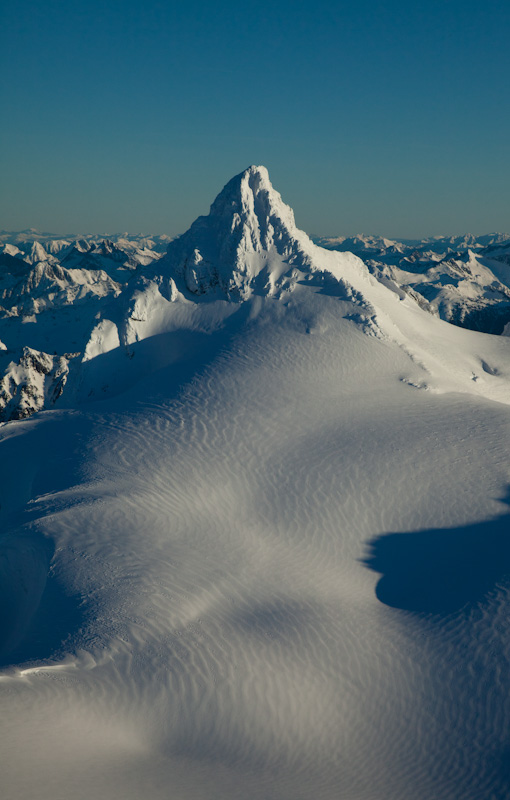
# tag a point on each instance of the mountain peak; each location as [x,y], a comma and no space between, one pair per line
[249,198]
[249,230]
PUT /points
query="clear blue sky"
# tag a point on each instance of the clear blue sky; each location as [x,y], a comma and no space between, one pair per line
[382,117]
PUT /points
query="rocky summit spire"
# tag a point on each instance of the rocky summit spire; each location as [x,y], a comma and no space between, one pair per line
[248,236]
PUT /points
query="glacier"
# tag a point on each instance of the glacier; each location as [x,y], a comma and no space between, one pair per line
[258,545]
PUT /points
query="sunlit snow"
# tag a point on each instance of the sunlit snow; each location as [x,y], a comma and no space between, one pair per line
[258,548]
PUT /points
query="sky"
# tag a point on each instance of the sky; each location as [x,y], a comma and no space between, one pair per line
[389,118]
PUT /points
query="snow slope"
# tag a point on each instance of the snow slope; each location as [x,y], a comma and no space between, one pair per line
[463,279]
[278,559]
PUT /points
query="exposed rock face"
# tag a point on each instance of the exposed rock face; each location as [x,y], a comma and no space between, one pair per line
[35,381]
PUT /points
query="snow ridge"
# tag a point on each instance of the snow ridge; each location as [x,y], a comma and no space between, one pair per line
[100,298]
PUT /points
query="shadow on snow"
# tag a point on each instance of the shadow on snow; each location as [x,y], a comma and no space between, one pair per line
[442,570]
[37,616]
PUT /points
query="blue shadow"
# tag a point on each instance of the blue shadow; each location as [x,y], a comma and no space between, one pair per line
[441,570]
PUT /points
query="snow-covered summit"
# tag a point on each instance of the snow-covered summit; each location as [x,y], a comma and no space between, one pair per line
[252,201]
[123,310]
[249,232]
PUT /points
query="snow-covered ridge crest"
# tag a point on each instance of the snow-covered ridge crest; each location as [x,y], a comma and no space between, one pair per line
[249,232]
[86,313]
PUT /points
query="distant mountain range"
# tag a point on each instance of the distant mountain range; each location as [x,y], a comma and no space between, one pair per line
[63,301]
[463,279]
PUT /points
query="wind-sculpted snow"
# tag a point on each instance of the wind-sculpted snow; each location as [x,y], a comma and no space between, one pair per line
[231,642]
[277,550]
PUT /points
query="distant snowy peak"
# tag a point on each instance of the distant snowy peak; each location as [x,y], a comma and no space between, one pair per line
[361,245]
[117,254]
[248,238]
[48,285]
[439,246]
[38,253]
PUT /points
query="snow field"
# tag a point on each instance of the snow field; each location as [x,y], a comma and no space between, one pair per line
[233,641]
